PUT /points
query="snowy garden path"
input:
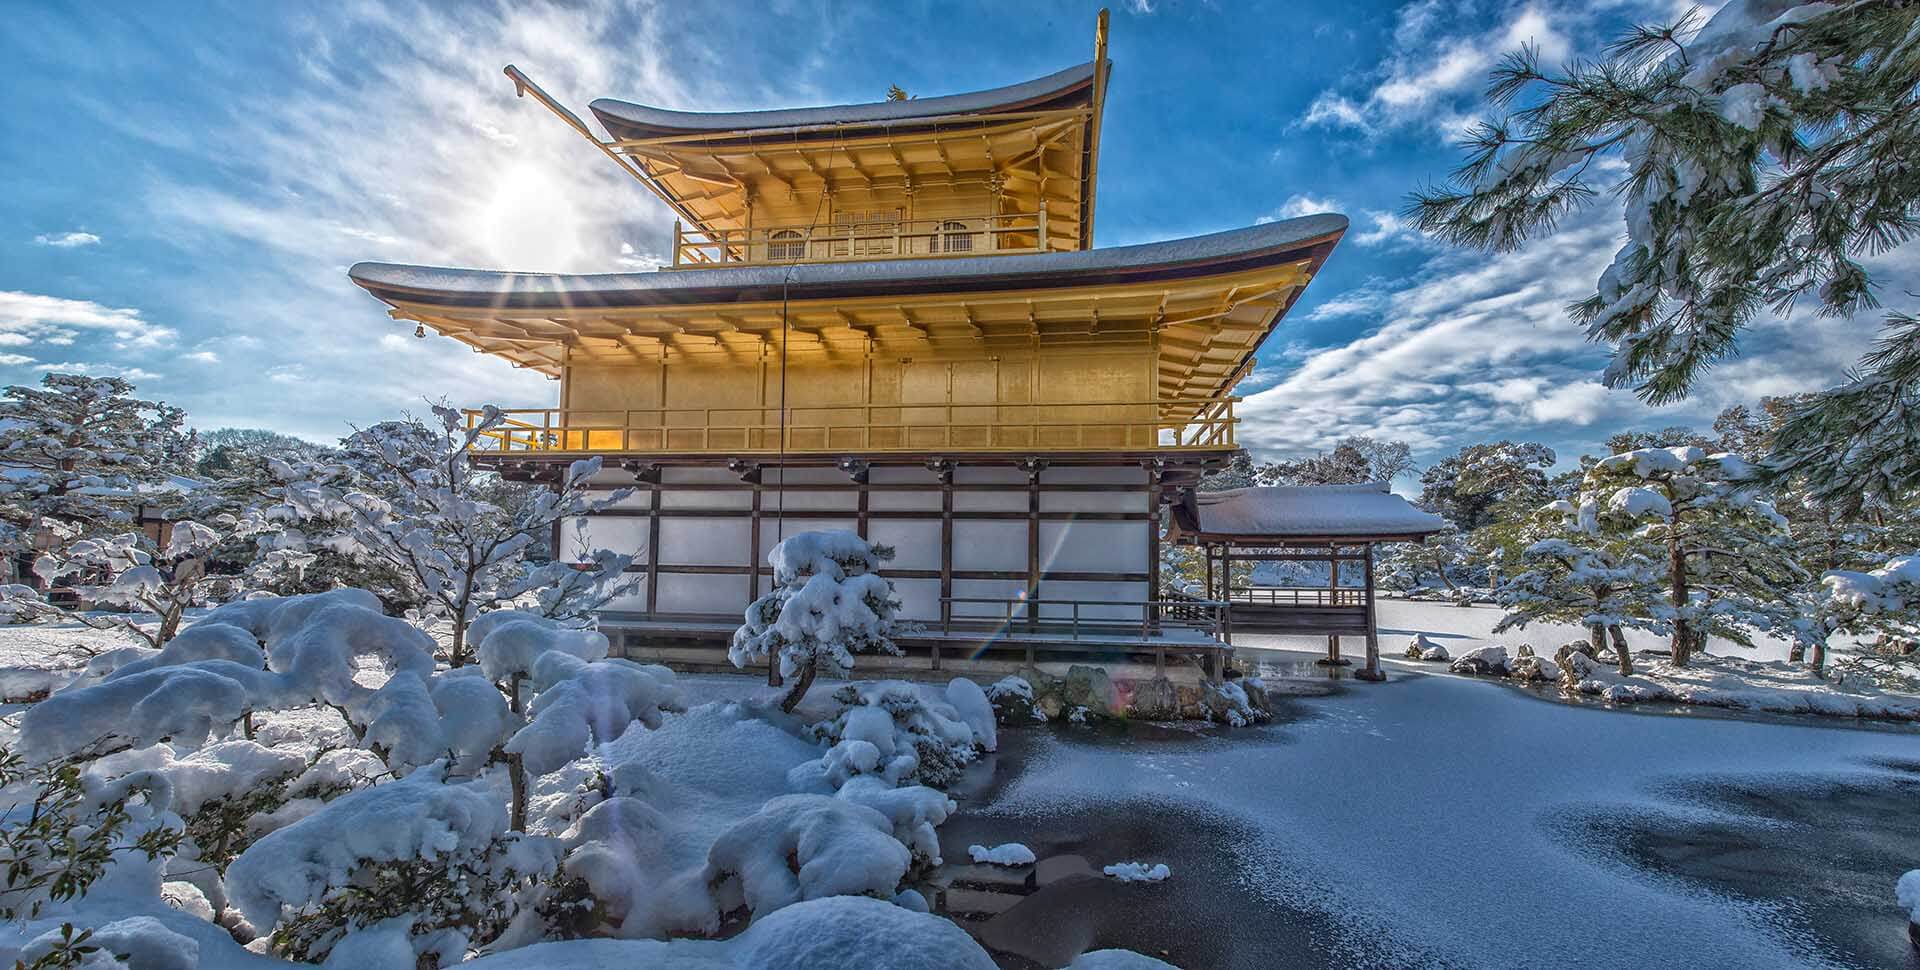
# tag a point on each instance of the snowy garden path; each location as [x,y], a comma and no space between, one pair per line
[1439,821]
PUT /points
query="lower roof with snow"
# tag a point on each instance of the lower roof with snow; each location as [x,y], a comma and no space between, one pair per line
[1303,513]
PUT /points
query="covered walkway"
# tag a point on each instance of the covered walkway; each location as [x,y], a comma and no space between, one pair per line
[1328,530]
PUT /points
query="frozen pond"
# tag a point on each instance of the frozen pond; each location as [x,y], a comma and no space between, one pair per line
[1439,821]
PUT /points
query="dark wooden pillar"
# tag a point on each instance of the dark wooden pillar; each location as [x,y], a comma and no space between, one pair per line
[1372,670]
[653,551]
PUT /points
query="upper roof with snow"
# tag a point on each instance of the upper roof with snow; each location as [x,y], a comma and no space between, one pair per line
[1068,88]
[1296,513]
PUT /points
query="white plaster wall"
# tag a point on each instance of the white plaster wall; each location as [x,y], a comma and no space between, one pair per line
[900,475]
[915,542]
[1094,475]
[988,475]
[984,544]
[704,542]
[1002,589]
[1093,502]
[634,602]
[620,533]
[703,593]
[1081,546]
[1060,590]
[730,499]
[810,501]
[700,475]
[919,598]
[996,501]
[880,500]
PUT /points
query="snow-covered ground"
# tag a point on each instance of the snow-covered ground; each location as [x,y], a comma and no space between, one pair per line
[1443,821]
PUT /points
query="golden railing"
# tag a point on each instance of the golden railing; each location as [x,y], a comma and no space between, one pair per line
[1000,234]
[1198,424]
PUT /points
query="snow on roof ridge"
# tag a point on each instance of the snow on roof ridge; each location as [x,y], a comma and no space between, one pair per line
[1362,509]
[1166,252]
[613,111]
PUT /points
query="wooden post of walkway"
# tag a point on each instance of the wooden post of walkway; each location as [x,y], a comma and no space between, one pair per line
[1372,670]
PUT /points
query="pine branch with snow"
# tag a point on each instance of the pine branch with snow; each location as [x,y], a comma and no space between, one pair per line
[1762,159]
[827,604]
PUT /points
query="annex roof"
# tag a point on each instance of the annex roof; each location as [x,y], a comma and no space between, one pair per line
[1295,513]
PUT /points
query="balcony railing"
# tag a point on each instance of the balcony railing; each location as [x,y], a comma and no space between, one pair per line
[1200,424]
[1000,234]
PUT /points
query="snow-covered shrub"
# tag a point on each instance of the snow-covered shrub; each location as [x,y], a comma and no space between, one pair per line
[827,604]
[1013,701]
[134,943]
[801,847]
[1882,608]
[427,849]
[887,728]
[406,495]
[75,829]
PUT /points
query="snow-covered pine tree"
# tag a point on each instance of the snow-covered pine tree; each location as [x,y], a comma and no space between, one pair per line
[73,450]
[1573,572]
[827,604]
[1880,607]
[406,495]
[1760,157]
[1727,552]
[161,583]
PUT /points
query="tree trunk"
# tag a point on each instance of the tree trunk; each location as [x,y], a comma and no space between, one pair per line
[1819,658]
[1597,636]
[1797,653]
[458,658]
[1682,639]
[1620,647]
[800,685]
[517,779]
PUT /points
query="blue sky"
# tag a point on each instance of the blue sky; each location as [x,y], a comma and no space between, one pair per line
[181,191]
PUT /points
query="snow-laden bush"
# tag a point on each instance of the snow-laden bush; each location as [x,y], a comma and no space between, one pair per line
[827,604]
[79,828]
[886,728]
[803,847]
[428,850]
[1013,701]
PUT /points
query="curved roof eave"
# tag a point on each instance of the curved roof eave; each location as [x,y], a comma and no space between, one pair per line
[628,120]
[1308,237]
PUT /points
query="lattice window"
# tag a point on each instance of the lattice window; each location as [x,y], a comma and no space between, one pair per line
[955,237]
[786,244]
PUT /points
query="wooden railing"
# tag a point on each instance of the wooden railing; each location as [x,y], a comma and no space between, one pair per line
[1303,596]
[999,234]
[1198,424]
[1209,617]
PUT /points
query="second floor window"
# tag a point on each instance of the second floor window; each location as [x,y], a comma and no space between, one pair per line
[786,244]
[954,237]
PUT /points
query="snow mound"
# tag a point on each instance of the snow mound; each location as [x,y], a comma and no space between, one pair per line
[1138,871]
[1489,659]
[1907,893]
[836,933]
[1009,854]
[1118,960]
[800,847]
[419,816]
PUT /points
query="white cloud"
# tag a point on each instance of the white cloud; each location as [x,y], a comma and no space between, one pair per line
[1428,67]
[99,369]
[1305,205]
[14,360]
[67,240]
[36,318]
[1475,347]
[202,357]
